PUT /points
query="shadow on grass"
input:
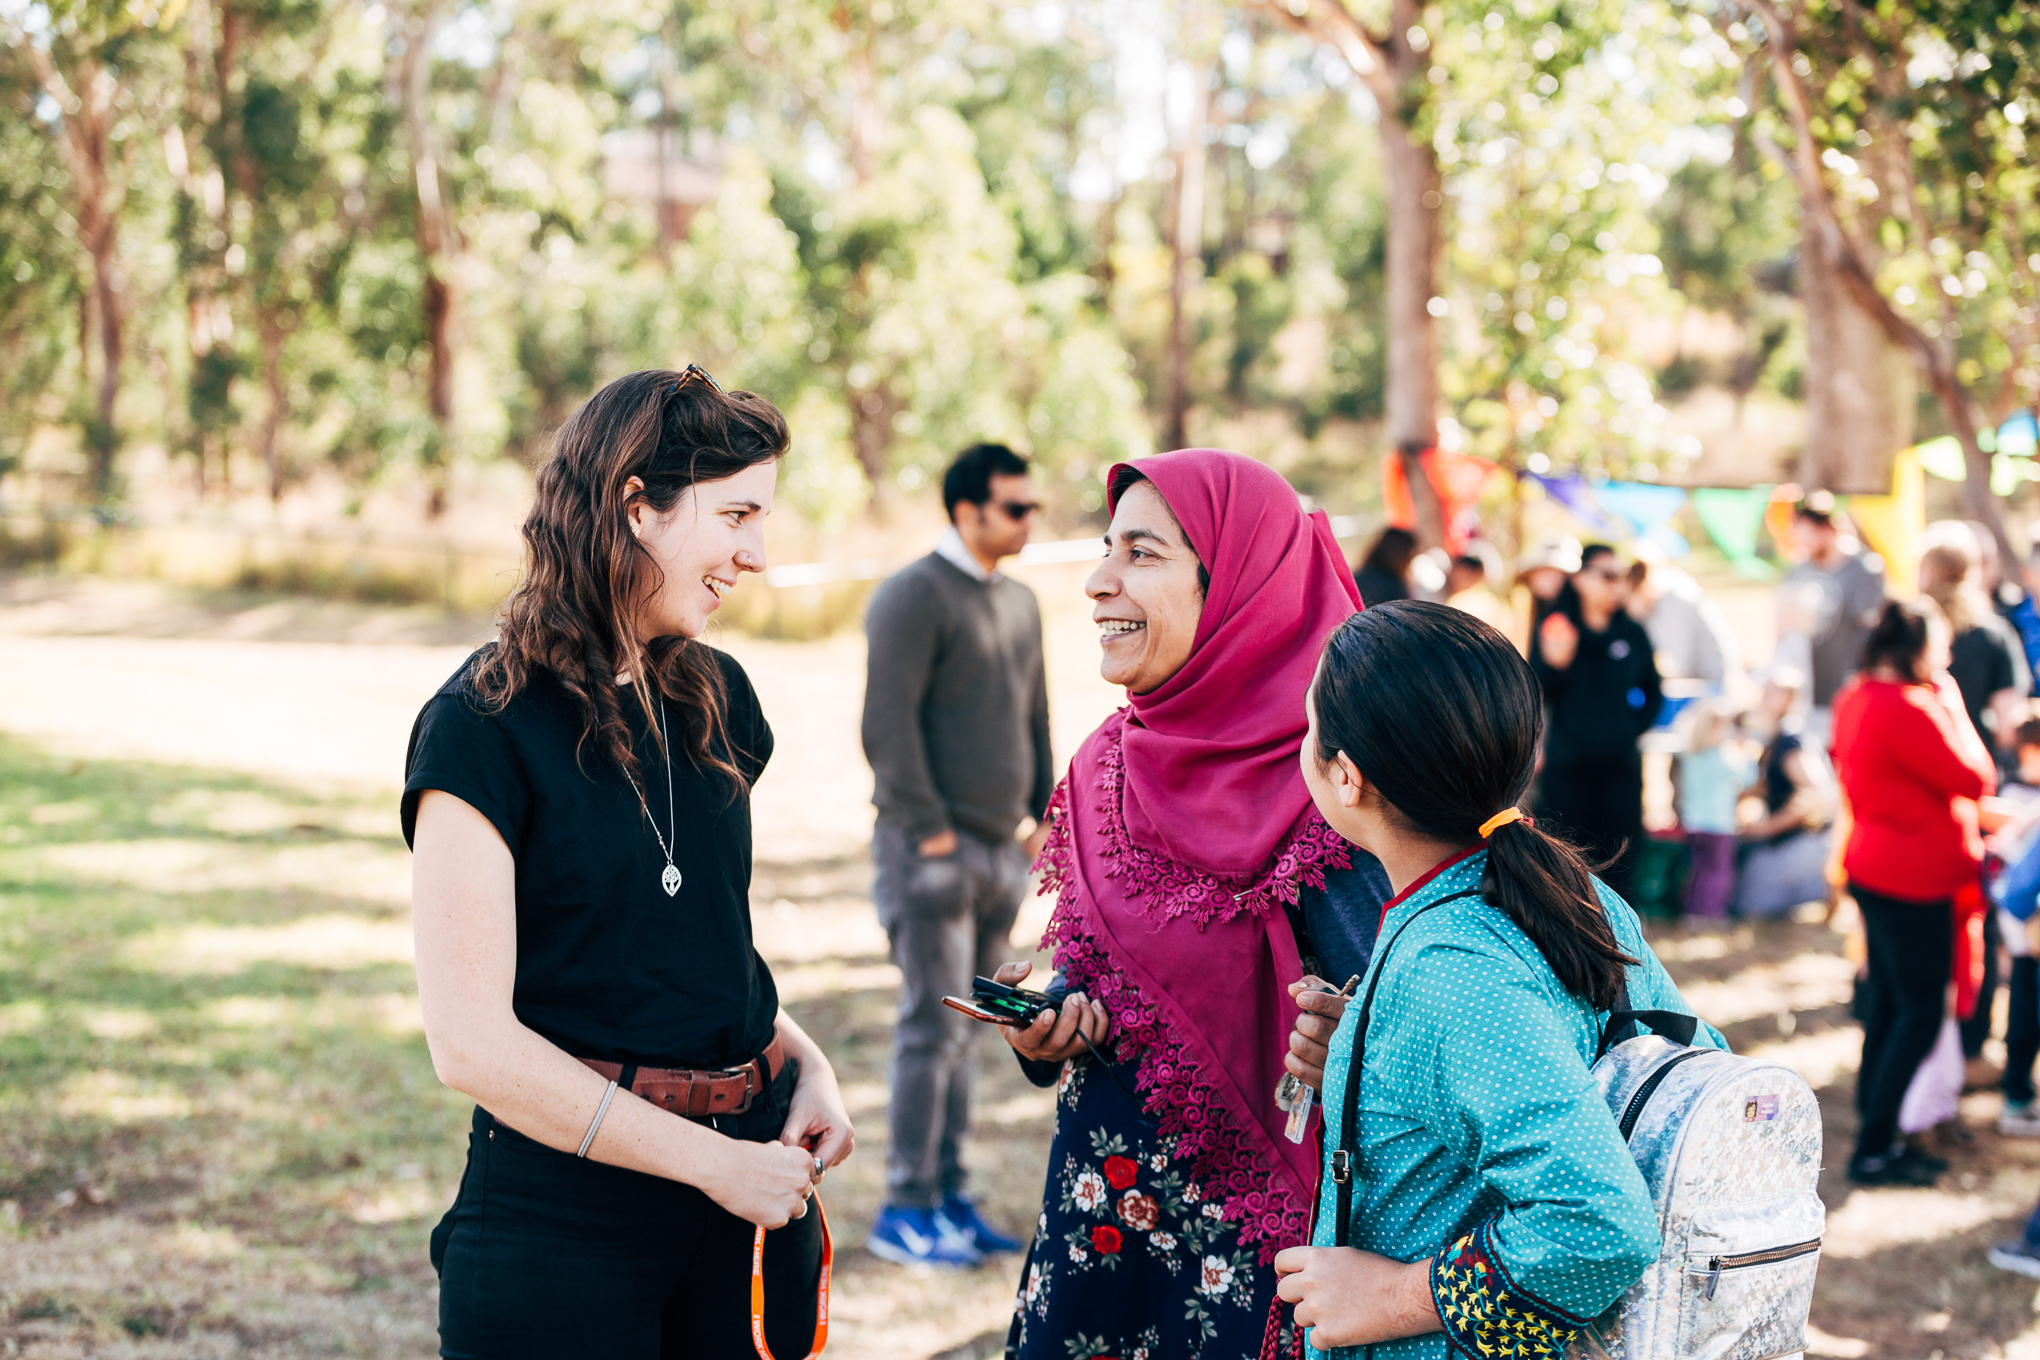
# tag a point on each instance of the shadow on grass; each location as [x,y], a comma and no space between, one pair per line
[197,1069]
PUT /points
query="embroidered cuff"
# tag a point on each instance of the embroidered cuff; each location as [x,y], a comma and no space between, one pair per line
[1487,1316]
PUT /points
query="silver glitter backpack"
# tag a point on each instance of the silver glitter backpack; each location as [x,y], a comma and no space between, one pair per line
[1730,1148]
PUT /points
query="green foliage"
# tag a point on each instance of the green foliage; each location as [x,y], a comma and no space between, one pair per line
[39,284]
[927,231]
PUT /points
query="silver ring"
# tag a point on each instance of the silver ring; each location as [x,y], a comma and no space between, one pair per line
[821,1168]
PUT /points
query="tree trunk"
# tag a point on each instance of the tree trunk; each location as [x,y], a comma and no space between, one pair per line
[87,92]
[1414,189]
[1186,245]
[1861,389]
[867,121]
[1854,269]
[871,429]
[435,238]
[112,346]
[1108,234]
[1393,66]
[279,398]
[89,141]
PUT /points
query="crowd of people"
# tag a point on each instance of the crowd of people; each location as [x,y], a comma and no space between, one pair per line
[1882,766]
[1292,778]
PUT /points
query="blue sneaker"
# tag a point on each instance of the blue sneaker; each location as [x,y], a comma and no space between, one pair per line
[915,1237]
[2018,1256]
[962,1219]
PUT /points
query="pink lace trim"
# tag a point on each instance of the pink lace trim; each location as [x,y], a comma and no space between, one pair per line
[1175,1089]
[1171,888]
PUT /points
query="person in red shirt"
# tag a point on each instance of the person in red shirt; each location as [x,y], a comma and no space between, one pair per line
[1913,768]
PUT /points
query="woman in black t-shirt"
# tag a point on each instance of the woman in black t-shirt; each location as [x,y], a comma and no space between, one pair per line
[577,796]
[1600,681]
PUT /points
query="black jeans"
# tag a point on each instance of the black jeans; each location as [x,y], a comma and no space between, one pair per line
[2022,1030]
[1912,952]
[546,1255]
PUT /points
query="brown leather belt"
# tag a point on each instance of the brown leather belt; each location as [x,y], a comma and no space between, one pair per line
[697,1094]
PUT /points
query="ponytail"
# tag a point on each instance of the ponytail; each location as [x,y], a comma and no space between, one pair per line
[1545,887]
[1439,713]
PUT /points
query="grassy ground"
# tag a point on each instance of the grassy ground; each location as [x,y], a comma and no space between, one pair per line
[219,1130]
[220,1133]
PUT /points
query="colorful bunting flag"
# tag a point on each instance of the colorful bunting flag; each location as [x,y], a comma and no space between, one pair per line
[1648,509]
[1734,518]
[1458,480]
[2019,436]
[1892,524]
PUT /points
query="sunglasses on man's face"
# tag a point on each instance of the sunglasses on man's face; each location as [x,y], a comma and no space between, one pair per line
[1019,510]
[1610,576]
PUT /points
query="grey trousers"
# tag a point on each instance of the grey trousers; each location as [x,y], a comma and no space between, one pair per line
[947,918]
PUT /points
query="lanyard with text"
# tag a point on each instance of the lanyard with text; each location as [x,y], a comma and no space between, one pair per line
[821,1290]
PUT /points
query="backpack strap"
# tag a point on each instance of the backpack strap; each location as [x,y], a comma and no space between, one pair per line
[1624,1023]
[1346,1158]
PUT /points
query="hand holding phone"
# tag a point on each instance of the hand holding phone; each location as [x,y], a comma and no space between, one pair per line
[998,1004]
[1054,1034]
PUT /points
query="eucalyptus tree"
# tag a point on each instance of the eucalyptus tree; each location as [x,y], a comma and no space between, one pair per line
[1903,127]
[1526,120]
[95,67]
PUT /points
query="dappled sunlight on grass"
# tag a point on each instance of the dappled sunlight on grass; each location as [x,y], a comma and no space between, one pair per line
[211,1068]
[119,1098]
[314,942]
[1803,982]
[370,873]
[1864,1224]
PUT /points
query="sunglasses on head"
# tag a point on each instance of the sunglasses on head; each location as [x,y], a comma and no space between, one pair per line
[695,373]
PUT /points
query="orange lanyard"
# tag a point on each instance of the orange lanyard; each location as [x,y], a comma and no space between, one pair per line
[821,1290]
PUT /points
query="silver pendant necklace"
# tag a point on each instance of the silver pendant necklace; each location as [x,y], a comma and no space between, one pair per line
[669,878]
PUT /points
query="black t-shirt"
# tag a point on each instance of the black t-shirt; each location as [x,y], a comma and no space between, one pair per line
[1980,663]
[1604,701]
[609,966]
[1778,786]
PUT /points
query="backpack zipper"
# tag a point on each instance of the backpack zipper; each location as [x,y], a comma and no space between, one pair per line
[1717,1264]
[1634,1111]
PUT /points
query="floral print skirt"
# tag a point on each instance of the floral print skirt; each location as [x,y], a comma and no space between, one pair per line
[1130,1261]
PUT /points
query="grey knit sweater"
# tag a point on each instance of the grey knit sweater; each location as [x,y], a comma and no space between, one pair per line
[956,703]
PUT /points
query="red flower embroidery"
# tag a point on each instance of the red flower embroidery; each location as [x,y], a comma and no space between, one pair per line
[1120,1171]
[1139,1211]
[1105,1238]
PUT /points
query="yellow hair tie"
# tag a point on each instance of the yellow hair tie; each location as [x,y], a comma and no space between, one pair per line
[1501,819]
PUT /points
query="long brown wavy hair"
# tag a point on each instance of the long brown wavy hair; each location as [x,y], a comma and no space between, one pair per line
[587,576]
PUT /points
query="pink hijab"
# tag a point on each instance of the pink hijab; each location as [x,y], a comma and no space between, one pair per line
[1189,803]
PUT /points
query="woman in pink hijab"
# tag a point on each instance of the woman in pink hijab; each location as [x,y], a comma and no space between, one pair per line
[1195,883]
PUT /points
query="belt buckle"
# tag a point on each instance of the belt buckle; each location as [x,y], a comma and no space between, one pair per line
[749,1072]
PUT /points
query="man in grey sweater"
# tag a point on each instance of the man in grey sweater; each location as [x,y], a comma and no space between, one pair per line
[956,729]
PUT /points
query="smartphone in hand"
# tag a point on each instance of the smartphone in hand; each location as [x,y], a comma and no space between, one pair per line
[997,1004]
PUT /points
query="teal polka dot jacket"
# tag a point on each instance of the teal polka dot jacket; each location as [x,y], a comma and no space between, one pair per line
[1484,1144]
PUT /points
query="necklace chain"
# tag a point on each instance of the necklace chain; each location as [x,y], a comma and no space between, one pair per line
[669,879]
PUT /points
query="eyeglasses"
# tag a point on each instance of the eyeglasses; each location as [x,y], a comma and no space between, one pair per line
[1019,510]
[695,373]
[1610,576]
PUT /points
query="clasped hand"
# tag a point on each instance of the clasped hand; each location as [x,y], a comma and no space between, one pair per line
[1350,1297]
[1054,1036]
[1310,1041]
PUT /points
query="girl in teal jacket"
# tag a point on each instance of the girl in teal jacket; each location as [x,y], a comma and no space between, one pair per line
[1495,1207]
